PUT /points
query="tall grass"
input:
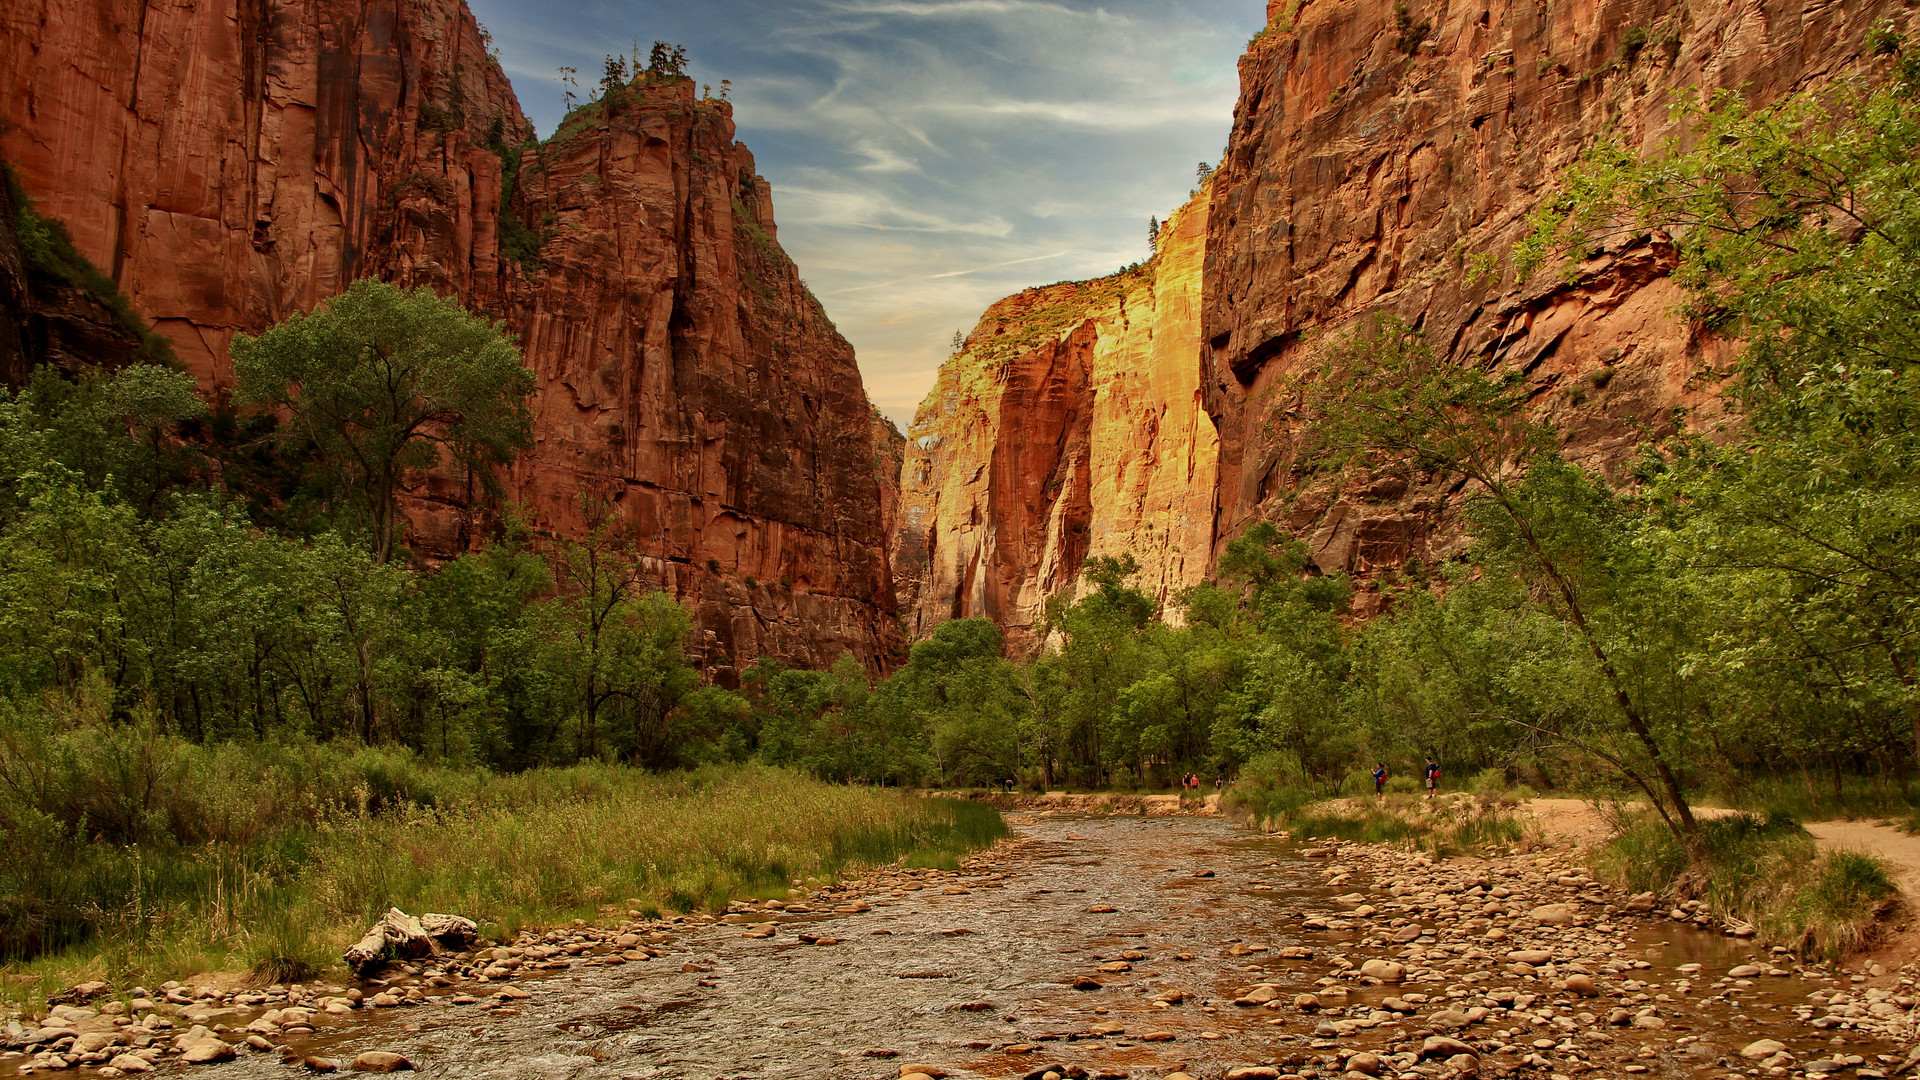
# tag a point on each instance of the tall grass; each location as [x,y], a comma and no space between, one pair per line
[1766,871]
[273,858]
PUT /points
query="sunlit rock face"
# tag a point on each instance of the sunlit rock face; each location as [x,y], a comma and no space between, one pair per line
[231,163]
[1380,151]
[1070,426]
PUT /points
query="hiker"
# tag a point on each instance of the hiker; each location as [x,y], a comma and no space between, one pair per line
[1379,778]
[1433,777]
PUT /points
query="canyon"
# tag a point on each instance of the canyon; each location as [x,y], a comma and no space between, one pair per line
[227,164]
[1381,155]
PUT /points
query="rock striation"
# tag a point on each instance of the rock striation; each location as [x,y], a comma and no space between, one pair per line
[229,163]
[1071,425]
[1379,151]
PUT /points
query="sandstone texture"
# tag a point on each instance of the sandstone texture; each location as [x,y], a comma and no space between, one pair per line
[1070,426]
[229,163]
[1378,149]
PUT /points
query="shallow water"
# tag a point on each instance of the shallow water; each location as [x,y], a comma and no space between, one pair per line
[952,980]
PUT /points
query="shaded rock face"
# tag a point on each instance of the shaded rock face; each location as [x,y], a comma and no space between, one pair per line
[229,163]
[1372,156]
[1070,426]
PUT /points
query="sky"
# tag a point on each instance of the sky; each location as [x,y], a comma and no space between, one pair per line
[929,157]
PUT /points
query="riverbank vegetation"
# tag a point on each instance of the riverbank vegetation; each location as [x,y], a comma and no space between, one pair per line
[143,857]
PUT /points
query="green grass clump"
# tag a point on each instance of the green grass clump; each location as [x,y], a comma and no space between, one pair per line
[273,858]
[1763,870]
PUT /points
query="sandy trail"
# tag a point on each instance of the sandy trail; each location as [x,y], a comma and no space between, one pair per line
[1899,850]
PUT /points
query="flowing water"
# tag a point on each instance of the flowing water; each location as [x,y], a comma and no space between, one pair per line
[956,979]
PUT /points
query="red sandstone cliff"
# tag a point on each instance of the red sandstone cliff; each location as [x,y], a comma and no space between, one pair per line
[232,161]
[1071,425]
[1377,148]
[689,377]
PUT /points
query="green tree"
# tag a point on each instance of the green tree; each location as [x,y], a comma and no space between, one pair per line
[627,641]
[1797,231]
[386,384]
[1386,402]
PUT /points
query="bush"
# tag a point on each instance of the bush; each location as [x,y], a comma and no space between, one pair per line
[1271,787]
[1765,871]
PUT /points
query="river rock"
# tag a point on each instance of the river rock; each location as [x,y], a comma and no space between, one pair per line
[1253,1072]
[1366,1064]
[381,1061]
[1531,957]
[1259,995]
[1387,971]
[933,1071]
[94,1041]
[128,1063]
[1440,1046]
[1745,971]
[1582,985]
[320,1064]
[1554,914]
[1763,1048]
[207,1052]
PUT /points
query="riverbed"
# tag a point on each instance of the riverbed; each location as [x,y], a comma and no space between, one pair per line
[1112,947]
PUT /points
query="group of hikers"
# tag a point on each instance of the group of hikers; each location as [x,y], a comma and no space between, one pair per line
[1432,773]
[1190,784]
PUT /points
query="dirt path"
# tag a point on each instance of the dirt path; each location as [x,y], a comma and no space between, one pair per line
[1899,850]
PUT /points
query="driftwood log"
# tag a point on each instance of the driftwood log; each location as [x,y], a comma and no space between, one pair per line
[400,936]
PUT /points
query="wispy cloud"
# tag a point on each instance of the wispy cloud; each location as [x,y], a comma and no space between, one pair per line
[931,156]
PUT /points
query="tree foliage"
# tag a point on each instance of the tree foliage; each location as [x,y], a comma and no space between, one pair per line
[385,385]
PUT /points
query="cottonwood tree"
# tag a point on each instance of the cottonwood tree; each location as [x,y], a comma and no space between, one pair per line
[386,384]
[1798,232]
[1384,401]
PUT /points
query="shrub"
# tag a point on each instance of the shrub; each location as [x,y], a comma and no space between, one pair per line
[1271,786]
[1763,870]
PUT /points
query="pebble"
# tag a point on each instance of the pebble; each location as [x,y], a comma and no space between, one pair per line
[381,1061]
